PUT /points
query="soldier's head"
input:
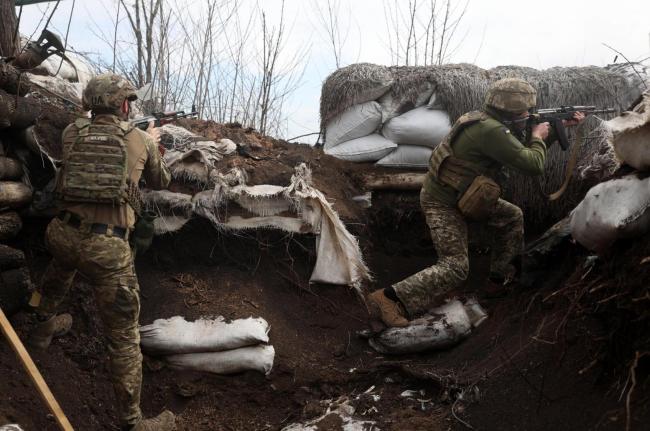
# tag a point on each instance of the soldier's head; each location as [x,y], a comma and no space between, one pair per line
[511,96]
[108,94]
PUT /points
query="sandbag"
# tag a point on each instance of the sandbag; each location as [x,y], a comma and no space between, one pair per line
[367,149]
[11,427]
[443,327]
[258,358]
[354,122]
[14,194]
[630,135]
[10,169]
[420,126]
[408,157]
[10,225]
[176,335]
[611,210]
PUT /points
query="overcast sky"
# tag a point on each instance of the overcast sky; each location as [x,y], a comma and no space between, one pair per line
[492,33]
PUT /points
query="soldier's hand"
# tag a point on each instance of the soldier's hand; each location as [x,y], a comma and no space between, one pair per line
[541,131]
[154,132]
[578,117]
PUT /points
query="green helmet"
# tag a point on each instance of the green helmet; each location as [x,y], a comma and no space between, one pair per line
[107,92]
[512,95]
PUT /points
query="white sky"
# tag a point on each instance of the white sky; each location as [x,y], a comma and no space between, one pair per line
[495,32]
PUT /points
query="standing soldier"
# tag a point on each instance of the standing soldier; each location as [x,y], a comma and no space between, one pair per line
[104,159]
[459,187]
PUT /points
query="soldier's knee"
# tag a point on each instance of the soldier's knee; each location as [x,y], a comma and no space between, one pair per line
[460,268]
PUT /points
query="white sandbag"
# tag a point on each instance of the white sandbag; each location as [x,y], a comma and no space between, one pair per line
[611,210]
[354,122]
[11,427]
[420,126]
[176,335]
[444,327]
[631,135]
[258,358]
[407,156]
[74,70]
[367,149]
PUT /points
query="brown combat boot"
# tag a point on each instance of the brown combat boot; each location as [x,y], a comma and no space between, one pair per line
[56,326]
[390,312]
[166,421]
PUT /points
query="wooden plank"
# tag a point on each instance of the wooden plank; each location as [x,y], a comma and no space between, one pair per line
[34,374]
[397,181]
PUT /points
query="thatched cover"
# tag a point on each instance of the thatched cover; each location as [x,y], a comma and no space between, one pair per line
[460,88]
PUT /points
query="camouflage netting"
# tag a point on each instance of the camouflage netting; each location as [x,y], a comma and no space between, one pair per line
[460,88]
[357,83]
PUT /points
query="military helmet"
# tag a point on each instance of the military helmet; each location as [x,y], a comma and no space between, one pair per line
[106,92]
[512,95]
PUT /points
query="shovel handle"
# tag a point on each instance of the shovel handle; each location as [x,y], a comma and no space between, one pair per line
[34,374]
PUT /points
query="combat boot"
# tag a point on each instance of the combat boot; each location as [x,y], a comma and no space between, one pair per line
[390,312]
[166,421]
[55,326]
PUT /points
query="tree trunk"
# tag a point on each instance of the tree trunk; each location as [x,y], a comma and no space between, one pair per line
[8,28]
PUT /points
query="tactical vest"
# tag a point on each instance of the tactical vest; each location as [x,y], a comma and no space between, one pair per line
[447,168]
[95,165]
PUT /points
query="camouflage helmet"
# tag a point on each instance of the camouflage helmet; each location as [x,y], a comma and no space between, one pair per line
[512,95]
[107,92]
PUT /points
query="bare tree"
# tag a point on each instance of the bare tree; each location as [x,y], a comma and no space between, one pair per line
[329,18]
[8,42]
[229,61]
[423,32]
[142,17]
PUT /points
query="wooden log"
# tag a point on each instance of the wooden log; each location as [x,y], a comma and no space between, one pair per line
[14,195]
[397,181]
[12,81]
[10,225]
[10,169]
[11,258]
[18,112]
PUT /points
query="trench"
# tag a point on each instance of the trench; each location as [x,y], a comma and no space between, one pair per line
[500,378]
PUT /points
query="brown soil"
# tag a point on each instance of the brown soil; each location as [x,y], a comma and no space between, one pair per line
[541,361]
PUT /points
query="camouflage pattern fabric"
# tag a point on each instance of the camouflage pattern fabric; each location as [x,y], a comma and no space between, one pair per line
[449,234]
[512,95]
[107,262]
[98,157]
[107,92]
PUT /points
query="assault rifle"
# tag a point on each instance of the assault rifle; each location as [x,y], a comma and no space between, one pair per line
[554,116]
[161,118]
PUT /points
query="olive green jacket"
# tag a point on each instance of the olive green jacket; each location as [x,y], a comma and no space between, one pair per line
[490,146]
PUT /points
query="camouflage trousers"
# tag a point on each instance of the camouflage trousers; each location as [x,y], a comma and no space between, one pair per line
[449,234]
[107,263]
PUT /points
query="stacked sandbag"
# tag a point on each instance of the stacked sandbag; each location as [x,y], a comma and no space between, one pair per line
[352,135]
[210,345]
[14,195]
[416,132]
[619,208]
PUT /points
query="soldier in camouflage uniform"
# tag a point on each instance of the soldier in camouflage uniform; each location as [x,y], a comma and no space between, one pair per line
[479,144]
[103,162]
